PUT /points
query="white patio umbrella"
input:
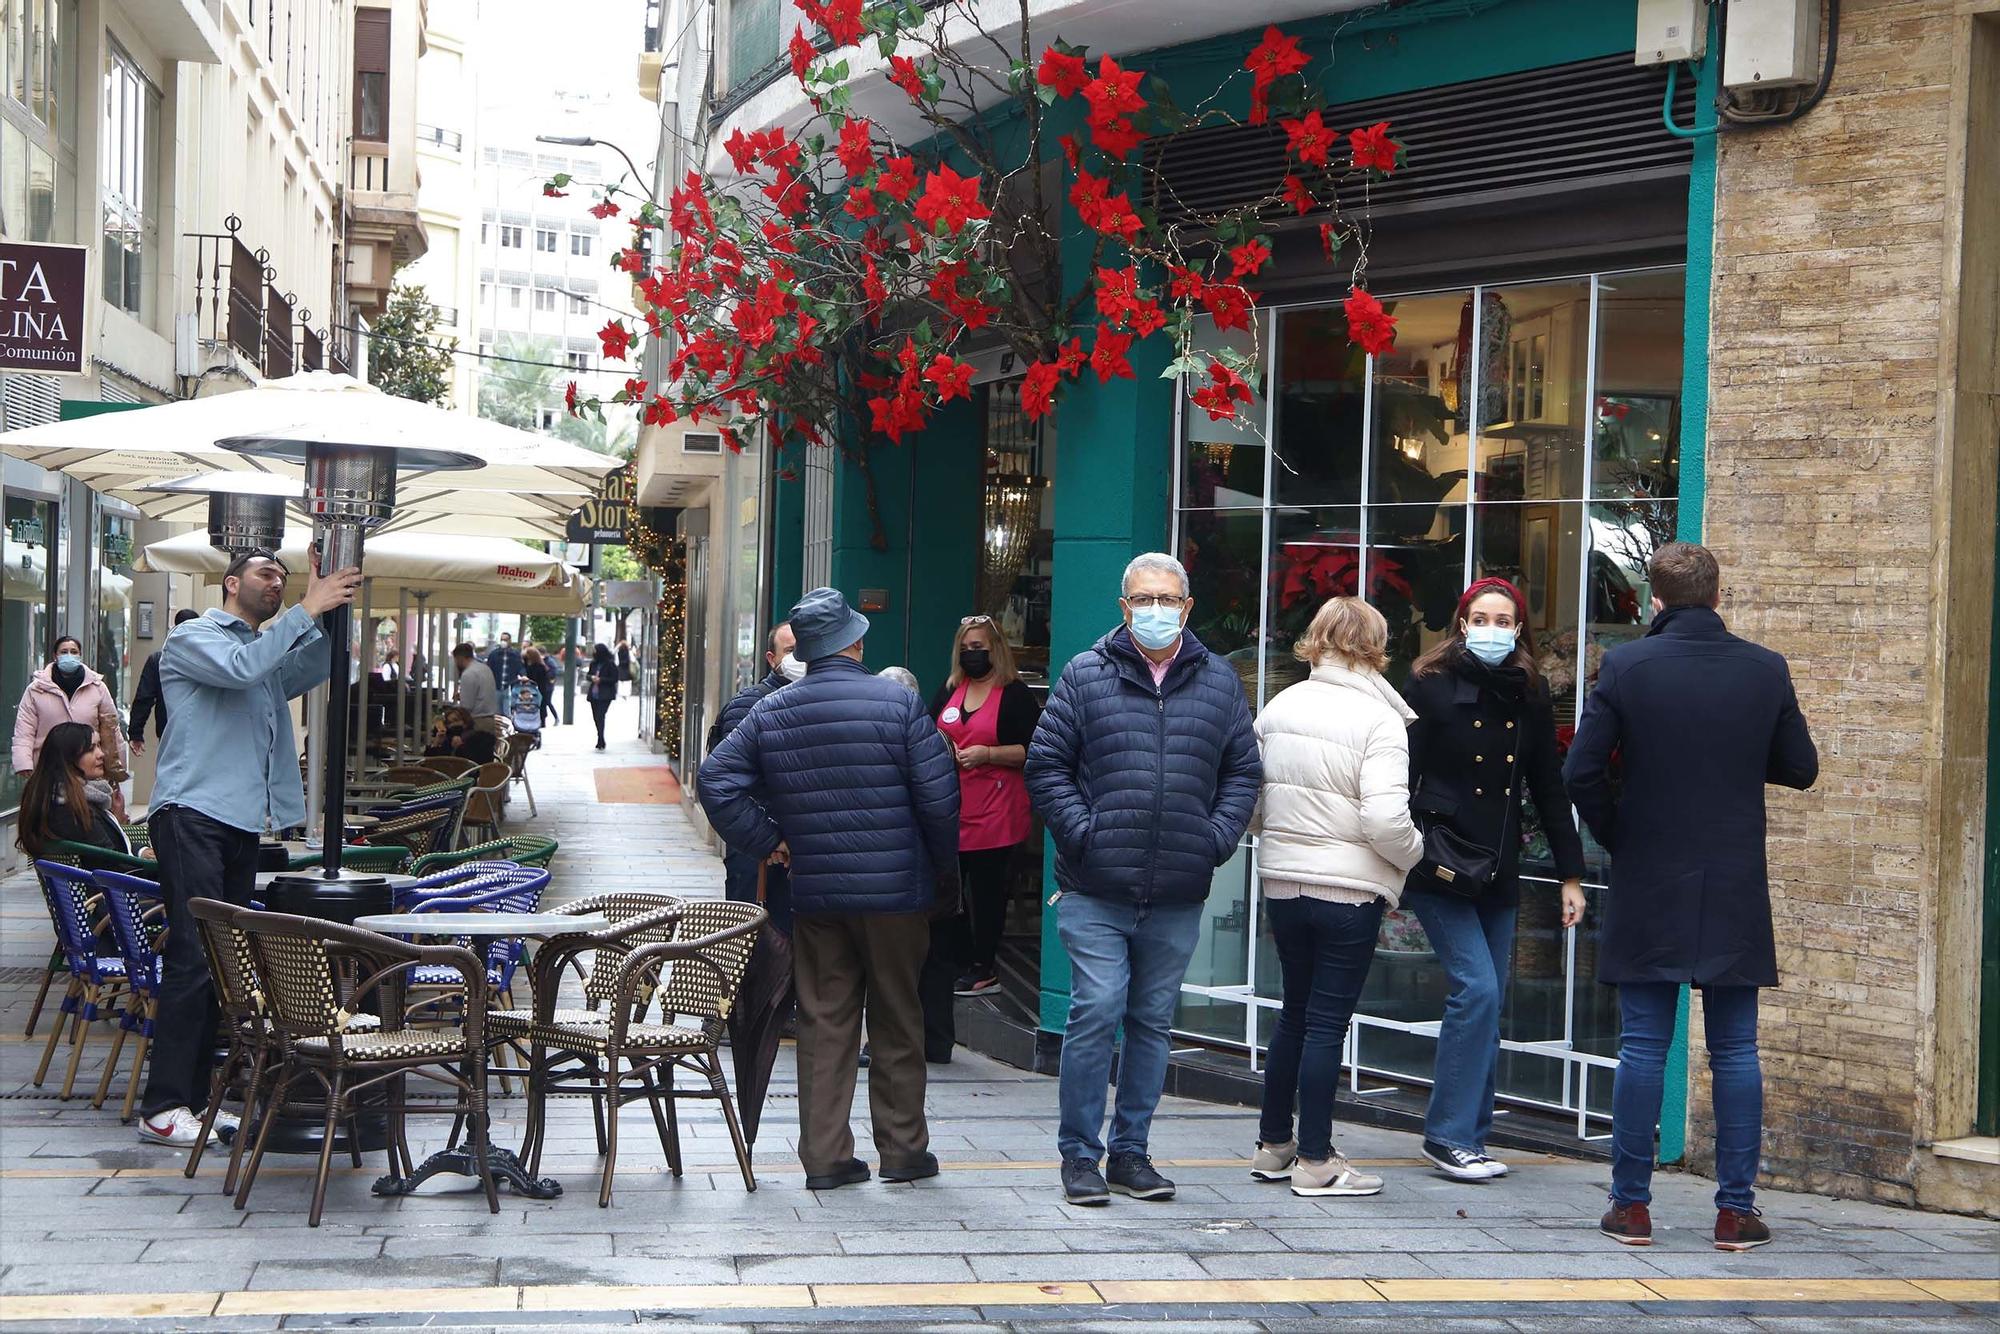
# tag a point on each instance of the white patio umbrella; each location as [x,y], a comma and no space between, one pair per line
[117,451]
[433,503]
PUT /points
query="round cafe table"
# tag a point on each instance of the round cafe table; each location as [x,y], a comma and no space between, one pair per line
[505,1164]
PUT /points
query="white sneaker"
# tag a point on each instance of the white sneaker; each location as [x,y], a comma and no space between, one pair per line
[1494,1167]
[1460,1164]
[227,1126]
[1274,1161]
[1335,1176]
[177,1128]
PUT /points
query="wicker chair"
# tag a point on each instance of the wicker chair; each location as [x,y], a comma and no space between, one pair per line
[90,857]
[138,922]
[414,775]
[486,803]
[518,747]
[449,766]
[535,850]
[96,978]
[695,974]
[419,827]
[299,963]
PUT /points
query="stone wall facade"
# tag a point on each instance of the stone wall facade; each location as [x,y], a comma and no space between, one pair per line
[1831,365]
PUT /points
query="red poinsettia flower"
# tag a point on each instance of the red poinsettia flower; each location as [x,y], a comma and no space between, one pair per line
[856,151]
[630,261]
[1102,211]
[1310,139]
[1038,390]
[549,191]
[840,18]
[1369,327]
[1145,319]
[1298,196]
[742,149]
[604,208]
[952,379]
[897,179]
[1108,358]
[872,286]
[1185,284]
[802,52]
[1373,148]
[1116,137]
[569,398]
[1228,304]
[1224,390]
[1329,243]
[1114,98]
[1065,73]
[1249,257]
[860,203]
[1067,142]
[634,390]
[950,199]
[1270,60]
[659,412]
[1070,359]
[616,338]
[903,72]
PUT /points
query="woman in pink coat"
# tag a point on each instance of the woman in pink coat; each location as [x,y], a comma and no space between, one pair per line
[66,691]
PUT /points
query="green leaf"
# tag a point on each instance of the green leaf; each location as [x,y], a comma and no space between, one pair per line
[1185,364]
[838,74]
[561,179]
[886,44]
[1047,96]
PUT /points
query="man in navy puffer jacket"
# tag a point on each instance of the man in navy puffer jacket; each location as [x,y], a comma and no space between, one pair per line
[1145,770]
[844,776]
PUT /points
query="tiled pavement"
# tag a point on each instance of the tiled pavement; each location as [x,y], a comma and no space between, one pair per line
[99,1232]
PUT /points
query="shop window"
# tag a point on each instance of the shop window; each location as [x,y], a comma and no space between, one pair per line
[27,605]
[1015,567]
[1319,389]
[114,604]
[1222,462]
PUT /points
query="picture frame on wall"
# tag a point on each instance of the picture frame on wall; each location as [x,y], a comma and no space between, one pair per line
[1537,573]
[144,620]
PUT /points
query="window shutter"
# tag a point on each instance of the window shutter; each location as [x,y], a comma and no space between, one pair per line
[371,58]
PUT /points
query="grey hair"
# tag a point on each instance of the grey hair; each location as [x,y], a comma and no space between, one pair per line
[902,677]
[1154,560]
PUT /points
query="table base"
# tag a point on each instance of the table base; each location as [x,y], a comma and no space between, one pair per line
[505,1165]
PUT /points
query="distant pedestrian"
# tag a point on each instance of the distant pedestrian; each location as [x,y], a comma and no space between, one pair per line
[988,715]
[1144,768]
[506,662]
[535,667]
[1676,745]
[66,691]
[740,865]
[624,661]
[477,692]
[843,776]
[603,687]
[1484,736]
[146,700]
[1336,843]
[228,771]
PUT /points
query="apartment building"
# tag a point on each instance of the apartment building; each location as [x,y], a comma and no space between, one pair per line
[448,132]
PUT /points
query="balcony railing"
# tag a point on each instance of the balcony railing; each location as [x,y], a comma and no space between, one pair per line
[368,168]
[452,141]
[279,356]
[312,356]
[238,305]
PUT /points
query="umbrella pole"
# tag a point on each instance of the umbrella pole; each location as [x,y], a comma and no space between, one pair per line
[402,663]
[367,667]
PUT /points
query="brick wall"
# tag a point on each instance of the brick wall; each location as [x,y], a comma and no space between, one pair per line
[1829,254]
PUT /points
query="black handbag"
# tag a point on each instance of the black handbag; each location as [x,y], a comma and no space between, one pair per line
[1452,863]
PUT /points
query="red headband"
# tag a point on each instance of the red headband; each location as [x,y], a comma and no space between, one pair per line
[1491,584]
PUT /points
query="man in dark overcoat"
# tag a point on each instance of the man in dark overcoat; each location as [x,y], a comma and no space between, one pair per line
[1678,740]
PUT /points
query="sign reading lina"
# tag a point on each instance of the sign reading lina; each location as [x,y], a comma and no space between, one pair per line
[602,517]
[43,296]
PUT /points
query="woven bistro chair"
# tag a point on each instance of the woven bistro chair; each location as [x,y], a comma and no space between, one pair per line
[89,857]
[521,849]
[448,766]
[518,747]
[300,963]
[419,827]
[96,976]
[694,975]
[637,919]
[412,775]
[486,803]
[139,924]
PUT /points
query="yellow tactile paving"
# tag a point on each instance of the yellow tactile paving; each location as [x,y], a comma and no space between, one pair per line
[1960,1289]
[326,1301]
[1512,1290]
[107,1306]
[1788,1290]
[679,1296]
[955,1294]
[1237,1290]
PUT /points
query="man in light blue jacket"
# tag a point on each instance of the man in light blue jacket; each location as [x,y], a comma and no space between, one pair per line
[228,770]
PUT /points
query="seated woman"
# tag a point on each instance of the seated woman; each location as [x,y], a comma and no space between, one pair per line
[67,798]
[453,734]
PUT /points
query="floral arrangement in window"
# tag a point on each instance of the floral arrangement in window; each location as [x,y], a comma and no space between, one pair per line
[1558,663]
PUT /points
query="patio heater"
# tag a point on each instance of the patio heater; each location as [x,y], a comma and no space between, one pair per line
[246,510]
[349,489]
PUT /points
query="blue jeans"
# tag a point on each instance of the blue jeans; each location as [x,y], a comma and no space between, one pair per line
[1324,950]
[1474,940]
[1729,1017]
[1126,961]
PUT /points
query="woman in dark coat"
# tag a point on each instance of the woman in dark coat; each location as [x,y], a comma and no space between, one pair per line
[1484,737]
[603,687]
[536,668]
[67,797]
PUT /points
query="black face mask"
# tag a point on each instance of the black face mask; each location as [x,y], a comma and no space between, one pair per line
[975,662]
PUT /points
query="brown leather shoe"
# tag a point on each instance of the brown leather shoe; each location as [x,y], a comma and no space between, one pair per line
[1740,1230]
[1628,1225]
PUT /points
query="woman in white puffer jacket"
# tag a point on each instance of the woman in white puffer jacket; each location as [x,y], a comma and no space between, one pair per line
[1337,840]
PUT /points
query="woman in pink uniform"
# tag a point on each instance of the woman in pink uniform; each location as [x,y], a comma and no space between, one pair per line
[988,716]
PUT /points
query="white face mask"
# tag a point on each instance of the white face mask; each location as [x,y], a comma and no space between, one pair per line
[791,668]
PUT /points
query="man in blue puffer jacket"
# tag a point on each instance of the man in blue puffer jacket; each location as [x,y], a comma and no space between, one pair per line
[843,776]
[1145,770]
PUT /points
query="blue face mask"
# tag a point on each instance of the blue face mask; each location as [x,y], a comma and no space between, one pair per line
[1156,628]
[1491,644]
[68,662]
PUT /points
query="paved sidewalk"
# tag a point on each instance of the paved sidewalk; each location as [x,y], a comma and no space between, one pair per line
[100,1232]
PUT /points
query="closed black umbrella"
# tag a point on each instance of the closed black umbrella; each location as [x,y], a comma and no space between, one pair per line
[758,1019]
